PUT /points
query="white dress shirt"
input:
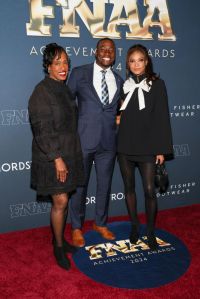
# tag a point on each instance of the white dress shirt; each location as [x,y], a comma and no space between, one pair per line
[110,80]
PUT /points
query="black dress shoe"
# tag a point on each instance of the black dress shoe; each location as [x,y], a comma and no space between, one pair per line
[61,258]
[152,243]
[67,247]
[134,235]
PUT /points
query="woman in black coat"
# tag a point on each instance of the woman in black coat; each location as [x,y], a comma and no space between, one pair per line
[144,135]
[57,167]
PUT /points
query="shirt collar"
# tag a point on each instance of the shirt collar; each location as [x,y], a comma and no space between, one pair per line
[99,69]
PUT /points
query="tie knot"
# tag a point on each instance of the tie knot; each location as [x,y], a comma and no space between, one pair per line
[103,72]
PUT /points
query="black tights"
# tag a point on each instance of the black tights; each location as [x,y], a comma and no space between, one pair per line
[147,171]
[58,217]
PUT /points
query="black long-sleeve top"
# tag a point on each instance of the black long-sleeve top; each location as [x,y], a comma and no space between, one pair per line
[146,131]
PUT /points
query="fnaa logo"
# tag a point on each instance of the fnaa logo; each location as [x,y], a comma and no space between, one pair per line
[181,150]
[133,266]
[107,250]
[29,209]
[94,15]
[14,117]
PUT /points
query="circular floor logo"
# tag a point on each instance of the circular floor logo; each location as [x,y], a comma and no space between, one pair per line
[121,264]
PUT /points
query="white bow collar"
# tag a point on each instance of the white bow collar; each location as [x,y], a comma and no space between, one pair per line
[130,86]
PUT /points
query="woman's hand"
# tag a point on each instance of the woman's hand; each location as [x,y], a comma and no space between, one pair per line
[118,119]
[61,170]
[160,159]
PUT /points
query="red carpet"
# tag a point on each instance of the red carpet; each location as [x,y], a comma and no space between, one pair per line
[28,269]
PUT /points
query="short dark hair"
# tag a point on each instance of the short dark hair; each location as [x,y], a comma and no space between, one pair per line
[103,39]
[50,52]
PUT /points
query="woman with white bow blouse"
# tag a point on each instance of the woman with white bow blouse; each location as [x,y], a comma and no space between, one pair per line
[144,136]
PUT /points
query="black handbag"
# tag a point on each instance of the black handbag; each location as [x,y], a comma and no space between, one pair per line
[161,178]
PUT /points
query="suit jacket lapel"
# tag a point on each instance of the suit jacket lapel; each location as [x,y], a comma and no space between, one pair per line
[90,82]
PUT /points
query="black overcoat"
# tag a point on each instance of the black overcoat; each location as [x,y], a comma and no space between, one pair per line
[147,131]
[53,120]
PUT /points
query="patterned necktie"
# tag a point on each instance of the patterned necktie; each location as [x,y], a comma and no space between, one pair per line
[104,89]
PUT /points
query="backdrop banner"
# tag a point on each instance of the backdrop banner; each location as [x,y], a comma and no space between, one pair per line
[170,31]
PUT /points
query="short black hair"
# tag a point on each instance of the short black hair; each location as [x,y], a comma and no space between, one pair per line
[103,39]
[50,52]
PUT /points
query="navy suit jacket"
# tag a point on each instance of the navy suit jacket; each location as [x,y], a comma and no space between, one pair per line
[96,123]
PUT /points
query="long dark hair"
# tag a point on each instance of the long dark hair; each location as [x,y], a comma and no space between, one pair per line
[149,67]
[50,52]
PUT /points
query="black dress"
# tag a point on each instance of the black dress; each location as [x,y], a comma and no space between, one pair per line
[53,120]
[145,133]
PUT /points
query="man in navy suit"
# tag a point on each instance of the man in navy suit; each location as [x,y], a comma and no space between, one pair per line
[97,130]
